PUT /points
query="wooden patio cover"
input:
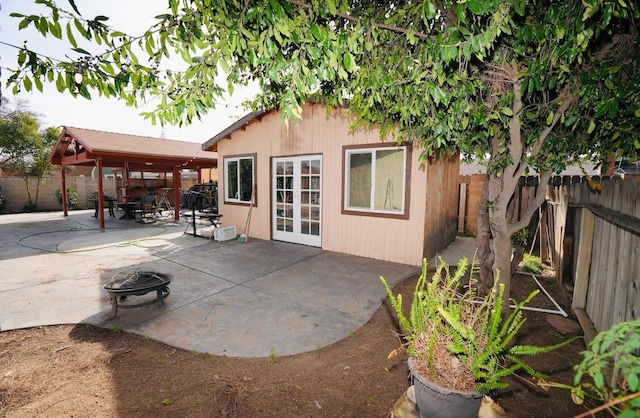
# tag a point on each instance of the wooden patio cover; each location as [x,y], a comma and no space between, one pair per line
[86,147]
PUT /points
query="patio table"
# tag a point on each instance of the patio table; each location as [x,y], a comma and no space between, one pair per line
[129,209]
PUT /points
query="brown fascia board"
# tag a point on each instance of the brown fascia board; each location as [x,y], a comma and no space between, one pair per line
[239,124]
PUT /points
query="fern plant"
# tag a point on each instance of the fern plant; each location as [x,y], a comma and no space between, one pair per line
[463,342]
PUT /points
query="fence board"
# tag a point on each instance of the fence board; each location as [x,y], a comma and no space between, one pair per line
[607,278]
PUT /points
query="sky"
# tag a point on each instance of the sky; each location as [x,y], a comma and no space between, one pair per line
[60,109]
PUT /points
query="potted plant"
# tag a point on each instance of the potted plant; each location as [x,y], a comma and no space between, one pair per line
[459,345]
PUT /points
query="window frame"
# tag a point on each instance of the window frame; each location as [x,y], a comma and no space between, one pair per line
[347,150]
[237,158]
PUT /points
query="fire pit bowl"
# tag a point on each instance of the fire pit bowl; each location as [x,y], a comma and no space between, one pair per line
[135,284]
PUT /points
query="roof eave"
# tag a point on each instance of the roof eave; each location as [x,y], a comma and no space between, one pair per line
[210,145]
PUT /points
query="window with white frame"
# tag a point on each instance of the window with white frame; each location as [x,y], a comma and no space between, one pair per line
[238,174]
[375,180]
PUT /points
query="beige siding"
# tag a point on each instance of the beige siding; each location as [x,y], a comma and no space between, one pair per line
[398,240]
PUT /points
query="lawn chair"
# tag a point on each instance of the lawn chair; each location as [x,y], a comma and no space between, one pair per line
[148,206]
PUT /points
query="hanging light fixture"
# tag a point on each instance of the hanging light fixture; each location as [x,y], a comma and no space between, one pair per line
[79,75]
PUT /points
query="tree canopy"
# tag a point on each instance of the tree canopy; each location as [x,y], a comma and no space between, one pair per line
[18,133]
[532,84]
[25,147]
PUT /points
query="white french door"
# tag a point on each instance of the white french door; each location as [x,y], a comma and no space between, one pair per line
[296,199]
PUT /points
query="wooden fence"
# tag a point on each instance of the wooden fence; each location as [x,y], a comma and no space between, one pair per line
[590,237]
[599,232]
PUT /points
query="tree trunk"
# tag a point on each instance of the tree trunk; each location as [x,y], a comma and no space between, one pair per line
[26,182]
[483,241]
[502,251]
[35,203]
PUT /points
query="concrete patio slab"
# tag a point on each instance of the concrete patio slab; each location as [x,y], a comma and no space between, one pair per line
[227,298]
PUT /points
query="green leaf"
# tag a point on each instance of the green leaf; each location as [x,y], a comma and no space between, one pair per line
[60,84]
[479,7]
[507,111]
[316,32]
[38,83]
[429,10]
[27,83]
[84,92]
[73,5]
[56,29]
[24,23]
[185,55]
[550,118]
[347,61]
[592,126]
[70,37]
[589,11]
[332,7]
[180,106]
[81,29]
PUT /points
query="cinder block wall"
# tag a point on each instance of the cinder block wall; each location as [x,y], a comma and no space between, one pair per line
[14,190]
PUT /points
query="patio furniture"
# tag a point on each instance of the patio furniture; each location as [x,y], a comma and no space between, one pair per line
[194,201]
[148,206]
[192,217]
[129,209]
[136,284]
[108,200]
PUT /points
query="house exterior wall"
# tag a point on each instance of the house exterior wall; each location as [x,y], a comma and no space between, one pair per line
[384,238]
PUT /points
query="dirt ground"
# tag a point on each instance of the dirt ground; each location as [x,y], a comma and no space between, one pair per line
[84,371]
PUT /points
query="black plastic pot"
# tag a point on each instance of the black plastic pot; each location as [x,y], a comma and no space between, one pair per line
[435,401]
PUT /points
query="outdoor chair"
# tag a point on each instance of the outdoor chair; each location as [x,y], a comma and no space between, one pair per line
[148,206]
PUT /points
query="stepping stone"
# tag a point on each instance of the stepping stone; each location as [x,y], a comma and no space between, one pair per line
[564,324]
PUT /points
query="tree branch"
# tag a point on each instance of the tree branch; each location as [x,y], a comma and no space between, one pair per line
[345,16]
[515,134]
[538,200]
[567,99]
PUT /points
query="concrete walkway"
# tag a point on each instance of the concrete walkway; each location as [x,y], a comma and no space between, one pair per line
[227,298]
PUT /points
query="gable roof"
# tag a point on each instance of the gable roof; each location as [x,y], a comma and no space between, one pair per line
[79,146]
[242,123]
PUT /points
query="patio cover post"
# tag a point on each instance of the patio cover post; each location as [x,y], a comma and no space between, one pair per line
[126,179]
[176,193]
[100,202]
[65,210]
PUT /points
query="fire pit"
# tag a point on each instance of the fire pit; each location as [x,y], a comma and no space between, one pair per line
[136,284]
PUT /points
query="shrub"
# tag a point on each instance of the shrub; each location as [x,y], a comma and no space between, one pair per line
[72,197]
[3,201]
[532,264]
[609,371]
